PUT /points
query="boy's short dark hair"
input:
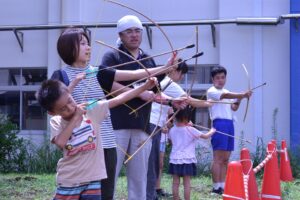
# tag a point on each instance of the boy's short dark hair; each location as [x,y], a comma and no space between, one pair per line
[49,92]
[184,114]
[68,44]
[218,70]
[182,67]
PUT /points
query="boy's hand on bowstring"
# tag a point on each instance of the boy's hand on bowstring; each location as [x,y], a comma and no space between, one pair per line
[150,83]
[80,110]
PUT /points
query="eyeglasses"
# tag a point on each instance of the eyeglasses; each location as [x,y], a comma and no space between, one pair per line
[132,31]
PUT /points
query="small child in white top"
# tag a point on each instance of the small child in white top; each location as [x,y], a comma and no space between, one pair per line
[183,158]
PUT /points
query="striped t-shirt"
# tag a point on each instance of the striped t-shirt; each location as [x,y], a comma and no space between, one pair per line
[89,89]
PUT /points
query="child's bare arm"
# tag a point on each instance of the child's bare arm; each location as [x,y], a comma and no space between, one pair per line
[78,78]
[208,134]
[231,95]
[145,95]
[198,103]
[238,96]
[128,95]
[61,139]
[128,75]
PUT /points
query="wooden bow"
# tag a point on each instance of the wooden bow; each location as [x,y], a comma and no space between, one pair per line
[171,46]
[249,88]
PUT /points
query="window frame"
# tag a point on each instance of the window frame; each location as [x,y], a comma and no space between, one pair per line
[22,88]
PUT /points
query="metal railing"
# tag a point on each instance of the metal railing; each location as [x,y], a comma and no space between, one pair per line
[211,22]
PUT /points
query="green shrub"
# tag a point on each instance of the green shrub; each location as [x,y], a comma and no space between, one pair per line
[274,124]
[20,155]
[167,158]
[259,155]
[11,147]
[295,163]
[42,158]
[204,159]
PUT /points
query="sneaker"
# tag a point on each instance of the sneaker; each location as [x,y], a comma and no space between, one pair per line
[218,191]
[162,193]
[222,190]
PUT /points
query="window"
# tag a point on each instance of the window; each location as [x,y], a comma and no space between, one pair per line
[10,77]
[33,116]
[10,105]
[202,74]
[201,115]
[17,97]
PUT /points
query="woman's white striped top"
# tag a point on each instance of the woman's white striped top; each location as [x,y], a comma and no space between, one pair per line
[89,89]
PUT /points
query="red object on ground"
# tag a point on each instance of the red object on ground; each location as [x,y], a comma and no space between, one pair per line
[271,181]
[234,184]
[246,165]
[285,166]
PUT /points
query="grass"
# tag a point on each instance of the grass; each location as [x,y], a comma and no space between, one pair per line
[41,187]
[26,186]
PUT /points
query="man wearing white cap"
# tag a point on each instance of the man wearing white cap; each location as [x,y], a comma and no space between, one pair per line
[131,129]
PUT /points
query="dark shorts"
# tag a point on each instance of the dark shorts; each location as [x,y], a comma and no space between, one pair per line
[90,191]
[220,141]
[183,169]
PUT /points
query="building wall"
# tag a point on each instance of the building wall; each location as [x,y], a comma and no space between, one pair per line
[265,52]
[263,49]
[30,12]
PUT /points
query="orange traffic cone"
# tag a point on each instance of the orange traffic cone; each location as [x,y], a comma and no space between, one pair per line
[285,166]
[234,185]
[247,169]
[271,181]
[275,153]
[275,143]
